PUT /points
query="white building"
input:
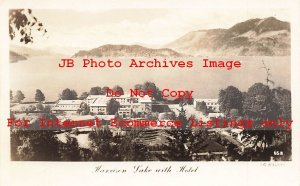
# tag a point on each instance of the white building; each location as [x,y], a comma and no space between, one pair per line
[91,98]
[66,106]
[215,115]
[128,104]
[210,103]
[97,103]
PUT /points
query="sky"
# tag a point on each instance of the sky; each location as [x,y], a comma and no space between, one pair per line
[71,30]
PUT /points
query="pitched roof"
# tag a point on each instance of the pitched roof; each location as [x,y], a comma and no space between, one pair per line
[69,102]
[206,100]
[100,101]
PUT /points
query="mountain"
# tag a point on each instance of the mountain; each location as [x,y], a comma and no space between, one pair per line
[127,51]
[254,37]
[14,57]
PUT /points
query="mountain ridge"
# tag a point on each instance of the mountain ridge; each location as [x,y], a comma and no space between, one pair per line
[261,37]
[110,50]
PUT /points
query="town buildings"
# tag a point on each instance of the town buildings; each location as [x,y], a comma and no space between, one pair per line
[66,106]
[98,105]
[212,104]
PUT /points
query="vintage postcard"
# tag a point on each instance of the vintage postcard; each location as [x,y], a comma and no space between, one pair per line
[188,91]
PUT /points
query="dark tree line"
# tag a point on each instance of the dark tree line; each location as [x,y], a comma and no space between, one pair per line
[19,96]
[259,103]
[69,94]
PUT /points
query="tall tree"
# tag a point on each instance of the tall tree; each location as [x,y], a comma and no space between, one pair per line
[103,90]
[69,151]
[118,88]
[259,105]
[268,74]
[34,145]
[68,94]
[112,107]
[84,109]
[19,97]
[155,90]
[95,91]
[202,107]
[74,94]
[283,98]
[47,109]
[39,96]
[138,86]
[40,107]
[102,145]
[179,138]
[131,147]
[230,98]
[84,95]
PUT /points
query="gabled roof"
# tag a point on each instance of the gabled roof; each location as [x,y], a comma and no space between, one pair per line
[100,101]
[95,96]
[206,100]
[69,102]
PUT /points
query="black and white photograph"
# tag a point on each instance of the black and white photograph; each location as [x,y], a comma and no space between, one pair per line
[156,97]
[161,92]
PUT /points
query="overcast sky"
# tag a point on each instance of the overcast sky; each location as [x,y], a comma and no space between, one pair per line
[73,30]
